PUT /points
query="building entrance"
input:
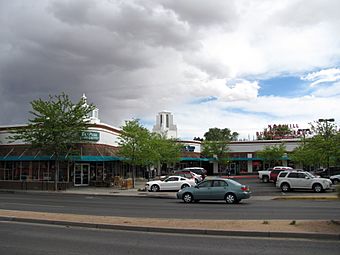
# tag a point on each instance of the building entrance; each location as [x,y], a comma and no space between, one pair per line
[81,174]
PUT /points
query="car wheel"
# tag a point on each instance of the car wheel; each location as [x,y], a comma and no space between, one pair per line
[317,188]
[154,188]
[335,181]
[184,186]
[231,199]
[265,179]
[187,198]
[285,187]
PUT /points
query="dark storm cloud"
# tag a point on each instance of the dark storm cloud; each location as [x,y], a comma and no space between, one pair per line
[130,20]
[78,46]
[204,13]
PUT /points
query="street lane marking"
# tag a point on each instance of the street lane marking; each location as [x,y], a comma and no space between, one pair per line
[55,206]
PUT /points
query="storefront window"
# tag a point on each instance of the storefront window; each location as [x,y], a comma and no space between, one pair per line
[63,171]
[36,170]
[44,171]
[25,171]
[16,170]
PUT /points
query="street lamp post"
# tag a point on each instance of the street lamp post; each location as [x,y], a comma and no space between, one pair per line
[304,131]
[327,136]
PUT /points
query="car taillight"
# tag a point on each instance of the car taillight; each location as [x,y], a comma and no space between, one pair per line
[244,188]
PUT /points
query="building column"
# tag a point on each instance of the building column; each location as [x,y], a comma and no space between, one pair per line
[250,163]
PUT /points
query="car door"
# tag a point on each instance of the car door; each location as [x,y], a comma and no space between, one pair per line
[218,190]
[170,183]
[293,180]
[203,189]
[304,181]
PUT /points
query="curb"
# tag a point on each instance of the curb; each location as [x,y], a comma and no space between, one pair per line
[230,233]
[307,198]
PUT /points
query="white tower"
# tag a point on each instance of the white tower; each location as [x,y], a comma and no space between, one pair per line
[164,125]
[93,116]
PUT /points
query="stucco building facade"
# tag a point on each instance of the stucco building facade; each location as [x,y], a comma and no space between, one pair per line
[97,162]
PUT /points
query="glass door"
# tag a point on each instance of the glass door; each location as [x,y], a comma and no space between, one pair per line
[86,174]
[81,174]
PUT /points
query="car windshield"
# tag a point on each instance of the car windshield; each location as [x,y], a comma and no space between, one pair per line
[310,175]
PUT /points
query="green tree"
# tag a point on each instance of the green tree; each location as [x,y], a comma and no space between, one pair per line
[323,149]
[134,146]
[139,147]
[337,149]
[166,151]
[216,144]
[272,154]
[304,155]
[56,127]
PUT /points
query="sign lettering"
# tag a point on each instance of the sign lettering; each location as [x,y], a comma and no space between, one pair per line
[90,136]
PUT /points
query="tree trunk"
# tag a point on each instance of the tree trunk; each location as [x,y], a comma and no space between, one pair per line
[133,175]
[56,174]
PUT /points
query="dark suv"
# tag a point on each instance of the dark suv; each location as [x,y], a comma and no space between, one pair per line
[325,173]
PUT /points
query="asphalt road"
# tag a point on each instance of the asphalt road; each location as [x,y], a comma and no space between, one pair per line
[29,239]
[170,208]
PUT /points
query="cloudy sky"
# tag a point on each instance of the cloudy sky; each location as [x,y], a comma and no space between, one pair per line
[240,64]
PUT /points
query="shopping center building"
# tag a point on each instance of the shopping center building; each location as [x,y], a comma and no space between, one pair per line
[97,162]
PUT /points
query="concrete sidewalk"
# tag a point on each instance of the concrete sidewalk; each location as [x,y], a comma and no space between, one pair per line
[325,230]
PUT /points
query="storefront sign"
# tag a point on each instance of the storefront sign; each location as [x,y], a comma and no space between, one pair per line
[90,136]
[189,148]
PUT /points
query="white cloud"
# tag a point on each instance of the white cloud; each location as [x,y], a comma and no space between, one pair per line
[329,91]
[323,76]
[248,117]
[135,58]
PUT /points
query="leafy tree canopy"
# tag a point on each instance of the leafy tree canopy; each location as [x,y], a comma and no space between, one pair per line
[56,124]
[323,149]
[272,154]
[140,147]
[216,143]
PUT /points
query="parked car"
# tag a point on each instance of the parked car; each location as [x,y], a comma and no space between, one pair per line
[215,189]
[188,174]
[197,170]
[289,180]
[335,179]
[264,175]
[169,183]
[276,171]
[324,172]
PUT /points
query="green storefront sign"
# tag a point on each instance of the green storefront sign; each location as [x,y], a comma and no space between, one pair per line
[90,136]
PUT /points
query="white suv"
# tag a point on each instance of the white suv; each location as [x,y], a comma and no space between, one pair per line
[288,180]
